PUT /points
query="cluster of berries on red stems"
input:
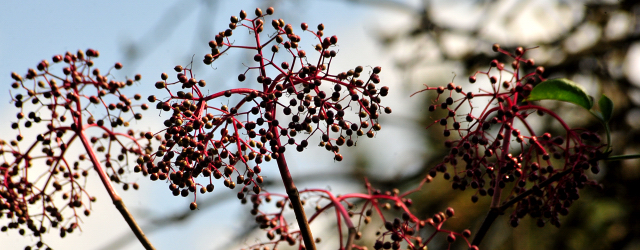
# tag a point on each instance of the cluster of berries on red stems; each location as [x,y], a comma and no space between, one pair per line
[289,102]
[42,187]
[355,211]
[497,153]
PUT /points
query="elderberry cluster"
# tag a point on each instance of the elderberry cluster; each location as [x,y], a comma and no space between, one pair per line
[60,109]
[275,224]
[289,102]
[498,153]
[357,210]
[406,228]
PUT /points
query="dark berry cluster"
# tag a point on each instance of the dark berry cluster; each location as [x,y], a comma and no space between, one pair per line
[406,228]
[60,109]
[289,102]
[277,228]
[355,211]
[498,153]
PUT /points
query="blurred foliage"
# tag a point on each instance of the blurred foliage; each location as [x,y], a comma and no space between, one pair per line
[594,49]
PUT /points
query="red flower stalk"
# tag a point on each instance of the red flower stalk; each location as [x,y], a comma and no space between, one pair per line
[405,228]
[490,154]
[290,101]
[67,108]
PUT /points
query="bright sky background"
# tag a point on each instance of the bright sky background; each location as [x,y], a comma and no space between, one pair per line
[30,32]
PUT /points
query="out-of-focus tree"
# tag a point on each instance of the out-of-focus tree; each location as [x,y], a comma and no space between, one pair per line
[595,43]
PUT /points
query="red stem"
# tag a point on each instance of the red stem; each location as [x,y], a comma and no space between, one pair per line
[117,200]
[292,190]
[294,197]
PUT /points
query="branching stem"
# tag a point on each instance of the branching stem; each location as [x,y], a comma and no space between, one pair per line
[117,200]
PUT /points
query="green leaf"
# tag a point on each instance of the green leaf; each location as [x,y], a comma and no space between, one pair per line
[561,89]
[606,107]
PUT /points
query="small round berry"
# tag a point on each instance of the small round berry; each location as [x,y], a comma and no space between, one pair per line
[494,63]
[160,85]
[474,198]
[443,121]
[493,79]
[270,11]
[118,65]
[333,39]
[495,47]
[258,12]
[275,24]
[451,237]
[530,62]
[16,77]
[595,169]
[449,100]
[193,206]
[514,222]
[506,84]
[450,212]
[466,233]
[289,30]
[447,133]
[472,79]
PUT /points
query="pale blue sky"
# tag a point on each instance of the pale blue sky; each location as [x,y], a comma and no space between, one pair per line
[172,33]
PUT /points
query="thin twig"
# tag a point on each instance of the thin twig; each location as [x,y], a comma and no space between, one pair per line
[117,200]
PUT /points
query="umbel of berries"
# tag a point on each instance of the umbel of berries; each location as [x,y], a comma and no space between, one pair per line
[497,153]
[43,181]
[228,134]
